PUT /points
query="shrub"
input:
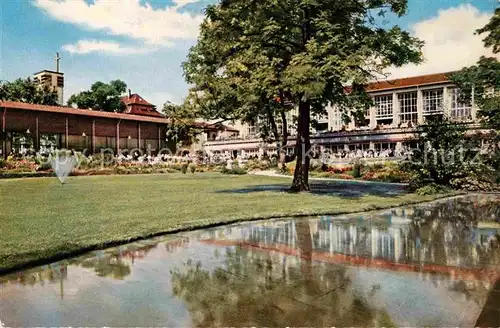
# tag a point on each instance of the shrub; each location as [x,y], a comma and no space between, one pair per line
[336,169]
[234,170]
[333,175]
[2,163]
[324,174]
[343,176]
[475,182]
[431,189]
[122,170]
[192,167]
[45,166]
[315,166]
[356,169]
[184,168]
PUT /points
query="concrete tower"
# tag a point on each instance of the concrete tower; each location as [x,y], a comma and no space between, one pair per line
[52,79]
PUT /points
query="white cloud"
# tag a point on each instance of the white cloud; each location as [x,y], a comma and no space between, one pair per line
[89,46]
[182,3]
[450,42]
[160,98]
[128,18]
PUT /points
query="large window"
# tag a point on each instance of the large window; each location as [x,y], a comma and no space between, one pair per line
[433,101]
[336,119]
[384,106]
[408,107]
[252,130]
[22,142]
[322,127]
[460,111]
[362,118]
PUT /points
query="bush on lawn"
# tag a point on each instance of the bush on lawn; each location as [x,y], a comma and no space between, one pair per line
[192,167]
[44,166]
[356,169]
[333,175]
[388,172]
[234,170]
[431,189]
[184,168]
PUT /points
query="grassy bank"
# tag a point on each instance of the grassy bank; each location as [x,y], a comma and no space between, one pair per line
[41,219]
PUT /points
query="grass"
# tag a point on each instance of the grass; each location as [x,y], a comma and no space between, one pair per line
[42,220]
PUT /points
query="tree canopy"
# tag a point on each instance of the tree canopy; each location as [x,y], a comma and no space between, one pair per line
[493,31]
[249,53]
[482,80]
[26,90]
[182,128]
[101,96]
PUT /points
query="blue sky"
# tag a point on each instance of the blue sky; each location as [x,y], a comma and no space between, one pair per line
[143,42]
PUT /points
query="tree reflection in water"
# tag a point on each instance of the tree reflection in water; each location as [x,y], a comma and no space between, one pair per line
[259,288]
[112,263]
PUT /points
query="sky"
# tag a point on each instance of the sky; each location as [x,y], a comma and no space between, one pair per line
[144,42]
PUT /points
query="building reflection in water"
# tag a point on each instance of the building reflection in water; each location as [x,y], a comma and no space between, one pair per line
[441,235]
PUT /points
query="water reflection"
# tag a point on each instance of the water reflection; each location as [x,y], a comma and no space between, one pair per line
[113,263]
[429,265]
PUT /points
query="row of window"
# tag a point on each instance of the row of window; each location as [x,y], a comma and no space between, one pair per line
[432,103]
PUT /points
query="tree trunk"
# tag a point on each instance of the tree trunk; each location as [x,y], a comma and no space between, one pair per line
[302,149]
[304,242]
[284,140]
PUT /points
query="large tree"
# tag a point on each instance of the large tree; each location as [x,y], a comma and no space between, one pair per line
[492,29]
[101,96]
[304,51]
[26,90]
[481,83]
[182,130]
[482,80]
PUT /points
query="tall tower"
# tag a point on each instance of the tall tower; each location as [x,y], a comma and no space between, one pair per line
[54,80]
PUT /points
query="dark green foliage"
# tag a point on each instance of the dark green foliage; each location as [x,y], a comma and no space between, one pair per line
[44,166]
[493,31]
[25,90]
[432,189]
[192,167]
[2,163]
[356,169]
[101,96]
[446,156]
[484,79]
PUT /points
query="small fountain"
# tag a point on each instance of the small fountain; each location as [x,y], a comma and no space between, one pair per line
[62,166]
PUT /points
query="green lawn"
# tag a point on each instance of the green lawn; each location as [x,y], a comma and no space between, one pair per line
[42,219]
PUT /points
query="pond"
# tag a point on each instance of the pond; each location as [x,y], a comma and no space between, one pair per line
[436,264]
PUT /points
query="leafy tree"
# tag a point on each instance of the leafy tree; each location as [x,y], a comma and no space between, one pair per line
[303,51]
[481,83]
[493,30]
[182,129]
[26,90]
[483,79]
[445,156]
[101,96]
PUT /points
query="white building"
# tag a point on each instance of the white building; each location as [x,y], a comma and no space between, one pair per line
[399,106]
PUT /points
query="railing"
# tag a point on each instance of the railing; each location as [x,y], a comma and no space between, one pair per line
[333,134]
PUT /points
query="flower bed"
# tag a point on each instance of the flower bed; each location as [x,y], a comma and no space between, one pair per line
[97,165]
